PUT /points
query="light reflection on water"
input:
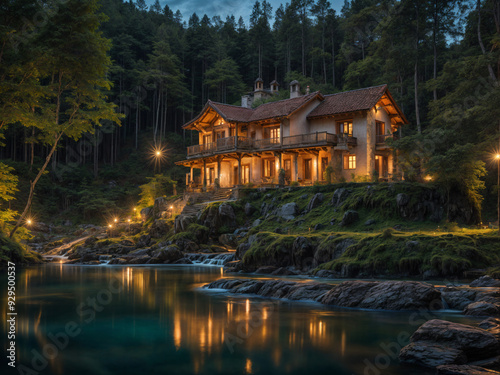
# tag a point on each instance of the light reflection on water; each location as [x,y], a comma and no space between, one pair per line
[157,320]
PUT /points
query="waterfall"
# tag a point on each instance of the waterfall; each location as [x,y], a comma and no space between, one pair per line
[216,260]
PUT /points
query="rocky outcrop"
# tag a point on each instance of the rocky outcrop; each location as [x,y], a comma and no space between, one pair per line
[456,344]
[302,253]
[169,254]
[431,355]
[159,228]
[288,211]
[387,295]
[272,288]
[339,196]
[315,201]
[249,209]
[146,213]
[458,298]
[464,370]
[482,308]
[182,222]
[350,217]
[485,281]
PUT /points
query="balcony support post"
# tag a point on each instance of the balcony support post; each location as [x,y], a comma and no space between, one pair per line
[191,174]
[317,164]
[218,169]
[204,174]
[295,167]
[239,169]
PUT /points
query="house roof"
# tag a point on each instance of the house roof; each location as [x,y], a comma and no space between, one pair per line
[342,102]
[266,111]
[349,101]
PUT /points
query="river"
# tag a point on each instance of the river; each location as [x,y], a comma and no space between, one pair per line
[108,320]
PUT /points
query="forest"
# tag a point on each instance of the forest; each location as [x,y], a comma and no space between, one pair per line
[80,115]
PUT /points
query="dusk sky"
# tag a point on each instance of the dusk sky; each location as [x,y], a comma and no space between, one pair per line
[224,7]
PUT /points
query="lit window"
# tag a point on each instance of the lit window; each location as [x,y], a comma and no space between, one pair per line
[345,127]
[350,162]
[274,133]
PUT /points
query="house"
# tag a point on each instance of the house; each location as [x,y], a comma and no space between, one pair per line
[302,135]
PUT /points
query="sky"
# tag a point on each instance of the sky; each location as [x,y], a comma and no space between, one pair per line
[224,8]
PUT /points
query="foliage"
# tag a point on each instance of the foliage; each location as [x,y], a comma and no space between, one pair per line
[158,186]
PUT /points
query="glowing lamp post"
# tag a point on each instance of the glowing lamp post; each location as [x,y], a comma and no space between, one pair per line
[497,157]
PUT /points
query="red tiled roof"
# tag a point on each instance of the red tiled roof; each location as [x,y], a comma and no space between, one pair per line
[232,112]
[281,108]
[349,101]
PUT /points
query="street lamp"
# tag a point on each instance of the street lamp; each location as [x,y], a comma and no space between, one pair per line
[497,156]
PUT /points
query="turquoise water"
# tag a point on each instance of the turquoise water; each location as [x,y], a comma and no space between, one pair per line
[157,320]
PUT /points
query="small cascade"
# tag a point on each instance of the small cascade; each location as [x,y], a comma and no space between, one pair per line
[214,260]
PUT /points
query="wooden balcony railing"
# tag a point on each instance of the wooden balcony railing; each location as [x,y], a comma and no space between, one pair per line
[245,143]
[382,138]
[347,140]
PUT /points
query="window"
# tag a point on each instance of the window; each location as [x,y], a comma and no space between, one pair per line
[345,127]
[274,135]
[269,167]
[207,139]
[307,169]
[380,128]
[220,134]
[350,162]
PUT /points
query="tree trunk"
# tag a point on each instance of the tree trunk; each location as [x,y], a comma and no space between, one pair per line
[33,184]
[434,33]
[479,38]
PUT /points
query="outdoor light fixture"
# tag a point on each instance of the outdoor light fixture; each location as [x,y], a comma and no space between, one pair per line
[28,221]
[116,220]
[110,225]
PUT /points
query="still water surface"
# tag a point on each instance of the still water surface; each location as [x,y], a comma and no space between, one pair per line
[158,320]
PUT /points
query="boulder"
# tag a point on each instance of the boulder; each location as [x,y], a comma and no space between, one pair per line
[256,223]
[159,228]
[464,370]
[228,239]
[142,259]
[430,354]
[182,222]
[139,252]
[369,222]
[169,254]
[288,211]
[388,295]
[485,281]
[160,205]
[458,298]
[144,240]
[315,201]
[350,217]
[482,308]
[266,270]
[339,196]
[402,200]
[227,215]
[146,213]
[242,249]
[476,343]
[318,226]
[249,209]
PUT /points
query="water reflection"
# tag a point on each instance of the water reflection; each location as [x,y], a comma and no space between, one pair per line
[157,320]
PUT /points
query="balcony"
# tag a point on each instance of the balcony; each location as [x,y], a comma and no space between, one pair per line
[239,143]
[381,141]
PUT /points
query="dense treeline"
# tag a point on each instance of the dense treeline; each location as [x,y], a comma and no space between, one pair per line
[440,59]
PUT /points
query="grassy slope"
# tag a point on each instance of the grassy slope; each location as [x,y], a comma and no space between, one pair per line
[444,248]
[14,252]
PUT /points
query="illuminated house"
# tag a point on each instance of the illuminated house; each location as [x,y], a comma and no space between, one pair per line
[302,135]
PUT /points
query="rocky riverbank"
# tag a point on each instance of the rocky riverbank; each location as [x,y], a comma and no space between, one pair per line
[451,348]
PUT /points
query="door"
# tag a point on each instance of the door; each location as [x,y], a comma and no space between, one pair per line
[235,176]
[307,169]
[245,174]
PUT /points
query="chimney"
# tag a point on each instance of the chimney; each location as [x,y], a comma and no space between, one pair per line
[274,87]
[294,89]
[246,101]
